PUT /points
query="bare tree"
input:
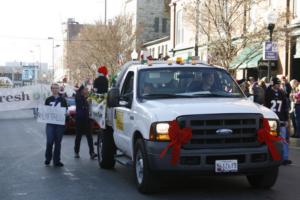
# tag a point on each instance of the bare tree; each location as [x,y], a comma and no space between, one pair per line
[100,44]
[225,27]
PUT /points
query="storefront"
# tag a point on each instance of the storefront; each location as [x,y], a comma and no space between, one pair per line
[249,62]
[294,69]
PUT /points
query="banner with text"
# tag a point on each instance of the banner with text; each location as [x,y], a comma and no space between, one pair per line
[98,109]
[26,97]
[52,115]
[23,97]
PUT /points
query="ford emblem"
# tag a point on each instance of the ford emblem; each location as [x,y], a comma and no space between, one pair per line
[224,131]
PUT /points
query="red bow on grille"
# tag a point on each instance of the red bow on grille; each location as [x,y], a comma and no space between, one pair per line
[178,137]
[264,136]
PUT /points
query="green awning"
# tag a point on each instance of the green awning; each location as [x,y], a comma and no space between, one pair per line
[252,62]
[247,58]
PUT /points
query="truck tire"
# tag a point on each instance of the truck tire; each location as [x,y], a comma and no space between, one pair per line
[145,180]
[106,150]
[264,180]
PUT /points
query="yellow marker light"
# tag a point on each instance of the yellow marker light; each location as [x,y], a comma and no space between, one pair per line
[149,62]
[164,137]
[170,62]
[195,59]
[179,60]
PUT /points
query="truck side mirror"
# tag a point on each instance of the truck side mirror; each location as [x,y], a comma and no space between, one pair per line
[113,97]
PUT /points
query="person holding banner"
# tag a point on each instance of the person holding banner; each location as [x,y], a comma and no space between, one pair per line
[54,132]
[83,123]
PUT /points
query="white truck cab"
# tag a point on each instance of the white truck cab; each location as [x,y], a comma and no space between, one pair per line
[202,97]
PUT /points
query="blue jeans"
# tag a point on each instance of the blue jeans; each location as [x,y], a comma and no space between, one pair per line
[54,135]
[283,135]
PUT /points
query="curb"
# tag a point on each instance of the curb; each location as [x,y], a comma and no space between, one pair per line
[295,142]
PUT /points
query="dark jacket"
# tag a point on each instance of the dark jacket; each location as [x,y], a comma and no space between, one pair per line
[277,102]
[101,84]
[82,107]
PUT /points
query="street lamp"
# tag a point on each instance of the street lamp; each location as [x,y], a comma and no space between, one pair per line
[51,38]
[270,19]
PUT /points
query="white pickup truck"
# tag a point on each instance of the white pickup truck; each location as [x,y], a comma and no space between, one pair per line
[204,98]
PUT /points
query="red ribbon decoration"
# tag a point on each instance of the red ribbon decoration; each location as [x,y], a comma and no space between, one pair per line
[264,136]
[178,137]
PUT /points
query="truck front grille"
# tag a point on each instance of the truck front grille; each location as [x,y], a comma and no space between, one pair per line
[205,127]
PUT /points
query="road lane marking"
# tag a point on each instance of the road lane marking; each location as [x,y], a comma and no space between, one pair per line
[21,194]
[70,175]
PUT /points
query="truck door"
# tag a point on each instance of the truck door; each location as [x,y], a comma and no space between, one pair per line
[123,115]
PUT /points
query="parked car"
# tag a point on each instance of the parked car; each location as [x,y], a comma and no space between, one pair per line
[71,118]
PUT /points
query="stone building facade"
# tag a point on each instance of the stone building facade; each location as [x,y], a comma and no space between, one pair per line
[71,30]
[151,19]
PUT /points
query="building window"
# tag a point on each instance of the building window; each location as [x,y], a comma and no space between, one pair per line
[252,17]
[156,24]
[164,25]
[296,8]
[273,4]
[179,28]
[163,50]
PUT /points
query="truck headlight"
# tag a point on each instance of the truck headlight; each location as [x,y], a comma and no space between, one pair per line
[162,128]
[273,127]
[160,131]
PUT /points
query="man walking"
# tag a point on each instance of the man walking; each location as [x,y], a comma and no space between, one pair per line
[277,102]
[54,132]
[83,123]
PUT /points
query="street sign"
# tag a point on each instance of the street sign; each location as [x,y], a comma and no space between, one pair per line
[270,50]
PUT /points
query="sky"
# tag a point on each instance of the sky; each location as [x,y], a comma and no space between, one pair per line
[25,26]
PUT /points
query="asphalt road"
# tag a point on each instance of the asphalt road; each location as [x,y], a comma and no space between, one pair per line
[24,176]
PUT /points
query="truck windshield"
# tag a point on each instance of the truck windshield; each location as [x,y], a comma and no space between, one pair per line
[186,82]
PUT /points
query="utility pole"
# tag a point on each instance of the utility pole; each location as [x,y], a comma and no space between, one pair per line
[197,28]
[53,72]
[105,11]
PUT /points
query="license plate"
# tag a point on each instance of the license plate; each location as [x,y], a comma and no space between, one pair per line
[226,166]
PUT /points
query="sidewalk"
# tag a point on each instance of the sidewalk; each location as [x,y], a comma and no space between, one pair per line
[294,142]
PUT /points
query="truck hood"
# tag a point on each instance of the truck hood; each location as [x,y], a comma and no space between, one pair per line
[169,109]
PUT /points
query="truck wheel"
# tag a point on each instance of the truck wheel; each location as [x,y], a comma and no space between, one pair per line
[145,180]
[106,150]
[264,180]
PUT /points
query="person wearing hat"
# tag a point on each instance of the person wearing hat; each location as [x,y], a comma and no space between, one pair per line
[83,122]
[276,100]
[101,82]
